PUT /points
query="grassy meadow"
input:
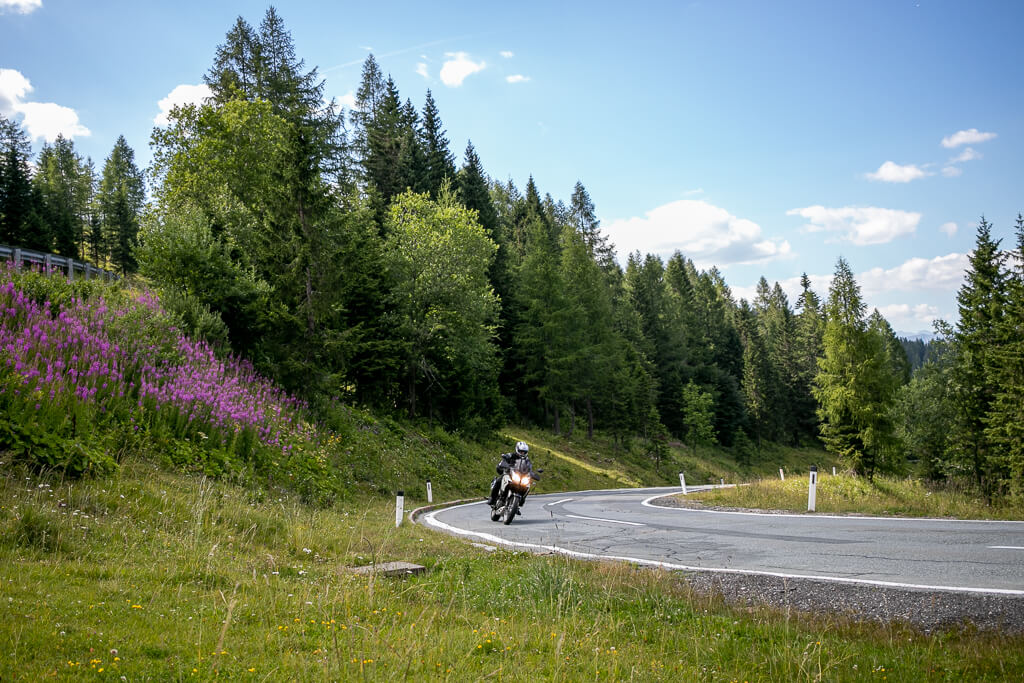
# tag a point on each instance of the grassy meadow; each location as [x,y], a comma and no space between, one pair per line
[166,514]
[153,575]
[847,494]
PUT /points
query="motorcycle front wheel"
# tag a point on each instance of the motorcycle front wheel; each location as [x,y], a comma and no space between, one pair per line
[512,508]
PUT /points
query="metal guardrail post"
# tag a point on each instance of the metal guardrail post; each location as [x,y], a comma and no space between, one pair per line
[48,263]
[71,269]
[17,259]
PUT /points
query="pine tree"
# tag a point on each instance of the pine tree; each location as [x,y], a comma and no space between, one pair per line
[851,383]
[699,414]
[1004,423]
[757,384]
[808,348]
[980,302]
[583,218]
[65,186]
[120,199]
[439,162]
[368,98]
[237,66]
[664,338]
[20,204]
[539,333]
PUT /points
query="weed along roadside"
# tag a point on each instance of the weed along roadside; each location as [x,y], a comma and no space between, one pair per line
[162,558]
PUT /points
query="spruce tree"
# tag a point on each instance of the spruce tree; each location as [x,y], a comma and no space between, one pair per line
[120,199]
[808,333]
[976,342]
[850,386]
[20,205]
[1004,423]
[583,218]
[66,187]
[439,162]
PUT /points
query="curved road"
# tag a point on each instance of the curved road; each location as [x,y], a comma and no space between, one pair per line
[623,524]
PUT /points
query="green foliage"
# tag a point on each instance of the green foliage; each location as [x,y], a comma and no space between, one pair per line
[21,204]
[442,307]
[34,443]
[202,283]
[977,344]
[855,384]
[698,406]
[64,181]
[923,413]
[120,198]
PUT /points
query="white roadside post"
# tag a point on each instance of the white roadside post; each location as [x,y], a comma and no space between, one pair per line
[781,475]
[399,508]
[833,471]
[682,482]
[721,480]
[812,491]
[430,493]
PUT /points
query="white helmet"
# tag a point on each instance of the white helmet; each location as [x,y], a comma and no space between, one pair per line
[522,448]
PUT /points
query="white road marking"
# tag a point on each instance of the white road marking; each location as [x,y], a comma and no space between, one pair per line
[432,521]
[559,502]
[647,503]
[602,519]
[1006,547]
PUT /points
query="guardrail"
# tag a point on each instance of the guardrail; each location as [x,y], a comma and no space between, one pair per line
[52,263]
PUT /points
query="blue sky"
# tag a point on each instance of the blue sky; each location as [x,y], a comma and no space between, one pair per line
[764,138]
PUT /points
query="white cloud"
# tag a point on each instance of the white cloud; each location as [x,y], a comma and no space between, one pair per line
[348,100]
[971,136]
[458,67]
[179,97]
[948,228]
[705,233]
[517,78]
[507,54]
[942,273]
[13,88]
[967,155]
[952,171]
[860,225]
[421,69]
[911,318]
[20,6]
[891,172]
[45,120]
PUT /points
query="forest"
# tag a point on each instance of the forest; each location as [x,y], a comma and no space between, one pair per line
[350,258]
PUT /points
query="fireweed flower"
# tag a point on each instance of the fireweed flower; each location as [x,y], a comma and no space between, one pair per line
[112,357]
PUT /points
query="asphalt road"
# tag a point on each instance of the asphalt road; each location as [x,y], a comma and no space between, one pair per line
[624,524]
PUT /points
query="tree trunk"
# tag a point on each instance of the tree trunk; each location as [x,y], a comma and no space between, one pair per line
[590,419]
[572,418]
[558,424]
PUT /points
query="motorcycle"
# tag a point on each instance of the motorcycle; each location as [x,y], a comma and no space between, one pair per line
[515,484]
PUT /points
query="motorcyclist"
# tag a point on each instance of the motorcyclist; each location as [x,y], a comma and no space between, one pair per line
[507,462]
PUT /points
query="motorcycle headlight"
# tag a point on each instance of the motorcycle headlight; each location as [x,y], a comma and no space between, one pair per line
[515,476]
[525,481]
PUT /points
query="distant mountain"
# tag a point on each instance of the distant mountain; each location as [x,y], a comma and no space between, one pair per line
[915,336]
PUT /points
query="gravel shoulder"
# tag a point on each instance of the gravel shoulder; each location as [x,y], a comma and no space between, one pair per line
[925,610]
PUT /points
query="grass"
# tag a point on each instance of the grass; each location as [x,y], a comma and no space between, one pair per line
[847,494]
[620,466]
[155,575]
